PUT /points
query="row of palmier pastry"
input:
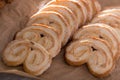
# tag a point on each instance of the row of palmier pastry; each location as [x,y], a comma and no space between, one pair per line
[110,17]
[97,44]
[49,29]
[66,15]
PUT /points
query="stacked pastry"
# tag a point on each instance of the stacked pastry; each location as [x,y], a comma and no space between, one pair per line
[46,32]
[110,17]
[97,44]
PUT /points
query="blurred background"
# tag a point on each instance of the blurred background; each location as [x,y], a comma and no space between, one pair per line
[109,3]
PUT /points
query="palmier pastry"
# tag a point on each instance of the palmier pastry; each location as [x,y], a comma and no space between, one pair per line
[110,17]
[37,61]
[16,52]
[97,6]
[66,13]
[52,19]
[111,10]
[20,51]
[78,9]
[44,35]
[89,6]
[93,7]
[103,32]
[92,51]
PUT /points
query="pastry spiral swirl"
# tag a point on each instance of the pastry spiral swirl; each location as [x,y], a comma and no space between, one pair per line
[44,35]
[101,31]
[110,17]
[52,19]
[17,52]
[92,51]
[37,61]
[33,56]
[97,44]
[75,7]
[66,13]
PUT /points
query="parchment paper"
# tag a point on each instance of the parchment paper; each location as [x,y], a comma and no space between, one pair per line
[13,17]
